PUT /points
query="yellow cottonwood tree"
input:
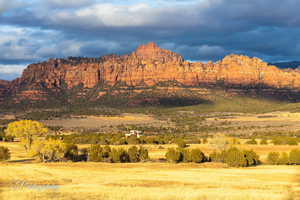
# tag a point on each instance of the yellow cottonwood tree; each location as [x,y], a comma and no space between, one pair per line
[49,150]
[27,131]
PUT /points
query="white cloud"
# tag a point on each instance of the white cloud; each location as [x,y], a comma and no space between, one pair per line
[198,29]
[68,3]
[121,15]
[21,44]
[11,4]
[5,5]
[206,50]
[99,15]
[12,69]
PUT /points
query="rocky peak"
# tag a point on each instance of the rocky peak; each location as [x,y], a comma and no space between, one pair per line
[4,83]
[243,61]
[149,65]
[148,49]
[151,51]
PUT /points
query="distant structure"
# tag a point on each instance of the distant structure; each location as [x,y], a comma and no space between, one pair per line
[136,133]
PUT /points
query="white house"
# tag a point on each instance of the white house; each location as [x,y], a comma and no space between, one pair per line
[137,133]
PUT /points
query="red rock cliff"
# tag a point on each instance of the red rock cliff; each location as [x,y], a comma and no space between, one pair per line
[148,65]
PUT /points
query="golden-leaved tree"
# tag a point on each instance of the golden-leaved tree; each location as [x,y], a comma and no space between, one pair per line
[27,131]
[49,150]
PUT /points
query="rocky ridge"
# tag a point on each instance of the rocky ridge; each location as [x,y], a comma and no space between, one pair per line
[147,66]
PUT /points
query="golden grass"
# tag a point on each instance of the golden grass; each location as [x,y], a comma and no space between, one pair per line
[267,117]
[124,117]
[149,181]
[100,121]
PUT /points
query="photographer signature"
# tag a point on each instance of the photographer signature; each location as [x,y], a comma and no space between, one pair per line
[21,184]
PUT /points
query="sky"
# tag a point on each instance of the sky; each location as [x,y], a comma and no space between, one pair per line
[200,30]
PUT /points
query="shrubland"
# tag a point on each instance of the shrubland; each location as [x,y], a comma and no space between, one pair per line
[291,158]
[4,153]
[235,157]
[98,153]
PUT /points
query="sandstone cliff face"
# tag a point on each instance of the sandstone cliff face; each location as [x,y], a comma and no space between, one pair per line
[4,84]
[3,89]
[147,66]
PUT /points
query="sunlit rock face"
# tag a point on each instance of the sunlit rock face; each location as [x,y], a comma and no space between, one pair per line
[148,65]
[3,89]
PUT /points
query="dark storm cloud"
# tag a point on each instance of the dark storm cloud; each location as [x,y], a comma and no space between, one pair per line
[35,30]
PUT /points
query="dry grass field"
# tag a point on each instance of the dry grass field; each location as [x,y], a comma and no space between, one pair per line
[145,181]
[271,121]
[23,178]
[266,117]
[100,121]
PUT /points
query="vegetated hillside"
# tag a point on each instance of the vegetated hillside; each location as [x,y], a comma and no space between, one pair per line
[150,76]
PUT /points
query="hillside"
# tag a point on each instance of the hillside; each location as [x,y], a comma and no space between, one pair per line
[147,72]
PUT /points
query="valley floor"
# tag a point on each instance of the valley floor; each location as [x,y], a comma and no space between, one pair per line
[146,181]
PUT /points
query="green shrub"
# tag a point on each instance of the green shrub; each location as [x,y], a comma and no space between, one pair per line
[181,143]
[9,138]
[273,158]
[263,142]
[294,157]
[51,150]
[186,155]
[114,156]
[285,141]
[119,156]
[98,153]
[235,158]
[83,154]
[4,153]
[283,159]
[173,155]
[95,153]
[124,157]
[252,141]
[197,156]
[143,154]
[4,137]
[292,141]
[71,152]
[213,157]
[132,140]
[120,141]
[2,134]
[278,141]
[133,154]
[251,157]
[217,156]
[106,153]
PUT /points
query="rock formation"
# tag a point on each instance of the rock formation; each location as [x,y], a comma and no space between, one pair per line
[149,65]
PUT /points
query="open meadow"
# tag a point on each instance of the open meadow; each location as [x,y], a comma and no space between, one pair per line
[146,181]
[23,178]
[103,121]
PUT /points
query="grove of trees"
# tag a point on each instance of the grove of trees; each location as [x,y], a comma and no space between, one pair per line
[98,153]
[27,131]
